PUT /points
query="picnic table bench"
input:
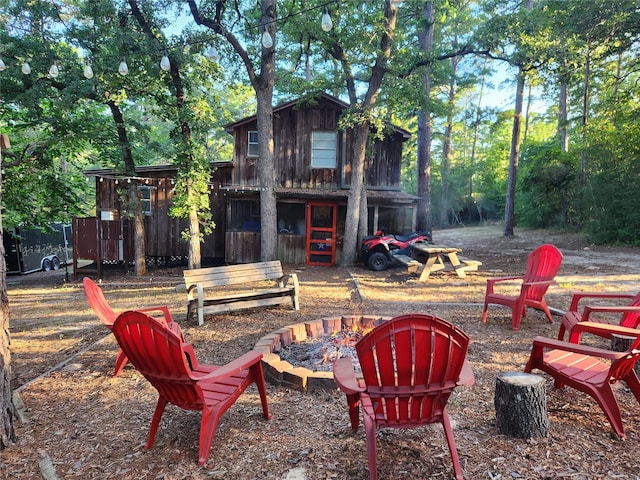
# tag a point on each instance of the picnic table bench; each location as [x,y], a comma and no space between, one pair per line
[206,292]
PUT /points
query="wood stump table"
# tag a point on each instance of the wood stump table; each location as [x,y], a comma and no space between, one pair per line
[521,405]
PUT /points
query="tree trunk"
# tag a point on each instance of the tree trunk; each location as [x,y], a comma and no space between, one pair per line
[266,165]
[134,200]
[349,245]
[476,130]
[138,230]
[361,135]
[262,83]
[521,405]
[585,110]
[527,113]
[563,118]
[195,258]
[445,205]
[509,208]
[7,409]
[424,217]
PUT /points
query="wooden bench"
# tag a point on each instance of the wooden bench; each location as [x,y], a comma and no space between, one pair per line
[206,292]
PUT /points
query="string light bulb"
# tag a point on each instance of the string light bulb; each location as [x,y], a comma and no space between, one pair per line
[212,54]
[88,71]
[2,65]
[326,24]
[54,71]
[165,64]
[267,41]
[123,69]
[26,68]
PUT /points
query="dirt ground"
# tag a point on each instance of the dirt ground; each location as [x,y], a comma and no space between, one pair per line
[80,422]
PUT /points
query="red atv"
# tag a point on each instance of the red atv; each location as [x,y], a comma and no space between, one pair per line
[377,250]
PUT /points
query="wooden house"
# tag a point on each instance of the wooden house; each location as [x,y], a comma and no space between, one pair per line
[313,167]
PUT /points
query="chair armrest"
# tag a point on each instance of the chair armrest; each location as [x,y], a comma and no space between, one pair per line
[607,309]
[492,281]
[159,308]
[345,376]
[538,283]
[600,329]
[552,343]
[575,299]
[466,375]
[233,367]
[190,354]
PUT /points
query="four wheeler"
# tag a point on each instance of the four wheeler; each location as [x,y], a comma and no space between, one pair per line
[377,250]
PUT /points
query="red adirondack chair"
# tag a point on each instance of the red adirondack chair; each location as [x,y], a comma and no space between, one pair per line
[172,368]
[582,368]
[410,365]
[107,315]
[620,319]
[542,266]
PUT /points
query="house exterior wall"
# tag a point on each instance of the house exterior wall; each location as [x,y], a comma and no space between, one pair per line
[163,242]
[236,189]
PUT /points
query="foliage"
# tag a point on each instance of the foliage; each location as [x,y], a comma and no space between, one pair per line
[545,185]
[611,212]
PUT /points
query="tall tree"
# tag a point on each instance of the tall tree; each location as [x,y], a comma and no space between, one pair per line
[236,26]
[425,42]
[191,198]
[514,155]
[7,408]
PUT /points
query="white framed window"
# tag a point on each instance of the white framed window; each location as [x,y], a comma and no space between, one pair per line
[145,199]
[252,145]
[323,149]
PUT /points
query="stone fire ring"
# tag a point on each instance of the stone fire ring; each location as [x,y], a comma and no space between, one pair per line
[282,373]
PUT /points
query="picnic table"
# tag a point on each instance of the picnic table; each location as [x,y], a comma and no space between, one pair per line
[432,256]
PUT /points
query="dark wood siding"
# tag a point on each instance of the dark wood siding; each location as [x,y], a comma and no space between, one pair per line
[163,232]
[292,130]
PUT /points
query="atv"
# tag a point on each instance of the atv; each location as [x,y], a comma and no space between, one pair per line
[377,250]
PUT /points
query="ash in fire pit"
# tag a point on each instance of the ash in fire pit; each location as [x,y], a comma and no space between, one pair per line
[302,355]
[318,354]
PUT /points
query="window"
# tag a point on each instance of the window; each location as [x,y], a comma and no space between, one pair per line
[145,200]
[252,149]
[323,149]
[245,215]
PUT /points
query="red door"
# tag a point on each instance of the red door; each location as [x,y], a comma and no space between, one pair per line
[321,234]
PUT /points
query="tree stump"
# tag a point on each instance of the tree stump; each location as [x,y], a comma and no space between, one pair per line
[521,405]
[621,343]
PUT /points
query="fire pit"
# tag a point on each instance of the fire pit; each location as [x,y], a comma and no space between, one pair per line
[300,356]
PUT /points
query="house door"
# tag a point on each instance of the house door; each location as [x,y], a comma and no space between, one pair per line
[321,234]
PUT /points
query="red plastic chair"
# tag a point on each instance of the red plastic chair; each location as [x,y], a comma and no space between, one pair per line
[542,266]
[172,368]
[620,319]
[410,364]
[582,368]
[107,315]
